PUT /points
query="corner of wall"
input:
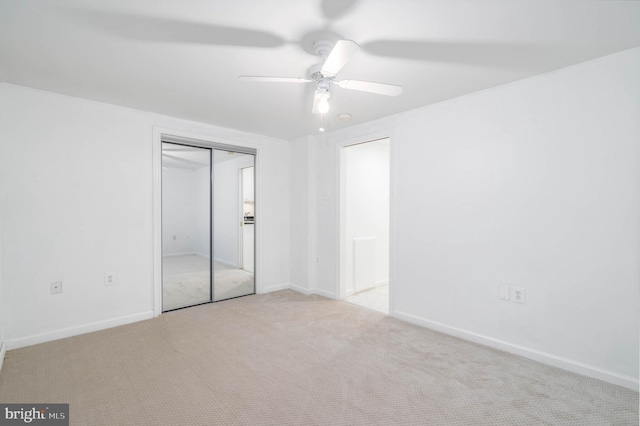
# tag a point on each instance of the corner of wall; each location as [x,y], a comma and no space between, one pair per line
[299,188]
[3,351]
[275,287]
[3,344]
[311,291]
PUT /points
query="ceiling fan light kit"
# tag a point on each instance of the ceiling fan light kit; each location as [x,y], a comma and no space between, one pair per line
[321,102]
[334,58]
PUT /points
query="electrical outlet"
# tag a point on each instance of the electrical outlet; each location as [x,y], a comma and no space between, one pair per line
[504,292]
[110,279]
[518,294]
[56,287]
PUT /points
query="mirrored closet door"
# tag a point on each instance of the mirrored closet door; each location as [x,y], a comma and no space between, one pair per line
[208,220]
[233,224]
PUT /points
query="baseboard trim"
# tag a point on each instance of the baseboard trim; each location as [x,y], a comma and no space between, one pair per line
[186,253]
[381,283]
[309,291]
[77,330]
[3,352]
[224,262]
[299,289]
[324,293]
[276,287]
[543,357]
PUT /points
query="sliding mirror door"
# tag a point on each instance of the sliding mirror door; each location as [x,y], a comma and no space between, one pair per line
[233,224]
[208,221]
[186,226]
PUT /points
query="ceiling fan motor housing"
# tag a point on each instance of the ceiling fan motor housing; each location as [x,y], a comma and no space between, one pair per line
[323,47]
[316,75]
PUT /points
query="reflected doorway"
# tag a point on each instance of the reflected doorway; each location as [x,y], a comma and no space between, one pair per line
[202,261]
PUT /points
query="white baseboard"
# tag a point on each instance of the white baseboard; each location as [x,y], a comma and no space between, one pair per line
[74,331]
[186,253]
[309,291]
[299,289]
[224,262]
[324,293]
[276,287]
[3,351]
[382,282]
[545,358]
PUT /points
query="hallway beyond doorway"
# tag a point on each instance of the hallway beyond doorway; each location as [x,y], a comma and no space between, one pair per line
[376,299]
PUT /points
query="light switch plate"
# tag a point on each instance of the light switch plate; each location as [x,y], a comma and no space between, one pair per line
[504,292]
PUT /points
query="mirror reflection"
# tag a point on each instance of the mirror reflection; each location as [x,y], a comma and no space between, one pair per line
[208,220]
[233,224]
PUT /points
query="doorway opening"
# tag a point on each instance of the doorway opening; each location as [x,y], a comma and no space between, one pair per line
[365,222]
[203,225]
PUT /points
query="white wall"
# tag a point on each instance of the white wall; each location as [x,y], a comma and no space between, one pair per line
[3,346]
[183,198]
[367,167]
[533,184]
[299,201]
[77,190]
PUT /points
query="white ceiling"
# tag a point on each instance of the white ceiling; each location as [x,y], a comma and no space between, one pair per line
[182,58]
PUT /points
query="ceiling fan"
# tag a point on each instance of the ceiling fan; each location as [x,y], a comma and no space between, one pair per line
[334,58]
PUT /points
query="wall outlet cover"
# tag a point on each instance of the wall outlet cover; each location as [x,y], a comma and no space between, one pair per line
[55,287]
[518,294]
[110,279]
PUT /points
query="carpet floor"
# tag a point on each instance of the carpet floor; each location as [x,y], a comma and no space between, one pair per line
[288,359]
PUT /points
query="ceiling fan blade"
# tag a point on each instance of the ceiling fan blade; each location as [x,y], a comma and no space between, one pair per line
[371,87]
[148,28]
[341,53]
[274,79]
[333,9]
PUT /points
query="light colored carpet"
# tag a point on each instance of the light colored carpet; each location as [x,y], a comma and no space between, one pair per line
[185,281]
[288,359]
